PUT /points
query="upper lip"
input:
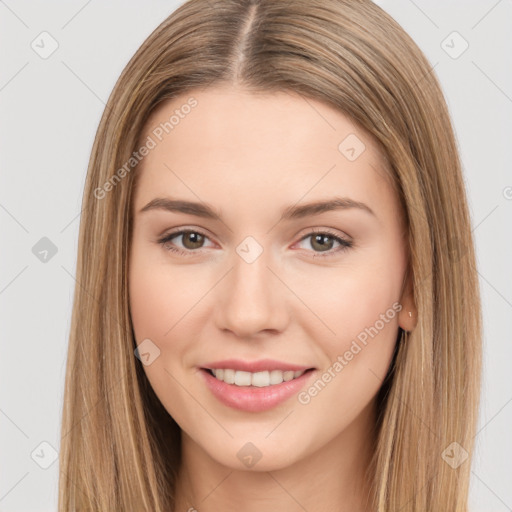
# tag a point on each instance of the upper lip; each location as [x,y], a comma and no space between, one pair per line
[254,366]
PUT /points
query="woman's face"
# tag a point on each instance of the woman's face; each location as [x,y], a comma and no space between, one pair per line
[262,276]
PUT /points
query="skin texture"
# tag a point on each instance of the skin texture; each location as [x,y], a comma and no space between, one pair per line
[250,157]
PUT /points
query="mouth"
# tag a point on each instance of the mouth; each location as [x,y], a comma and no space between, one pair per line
[261,379]
[254,392]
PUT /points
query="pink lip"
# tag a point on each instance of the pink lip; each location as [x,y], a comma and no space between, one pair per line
[254,366]
[252,398]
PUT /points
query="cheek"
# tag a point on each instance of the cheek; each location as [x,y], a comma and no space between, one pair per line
[349,300]
[159,301]
[355,309]
[362,311]
[160,295]
[150,305]
[167,306]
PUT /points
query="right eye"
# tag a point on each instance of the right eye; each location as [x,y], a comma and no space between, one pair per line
[190,239]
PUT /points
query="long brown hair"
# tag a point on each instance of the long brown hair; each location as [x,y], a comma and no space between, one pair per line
[120,449]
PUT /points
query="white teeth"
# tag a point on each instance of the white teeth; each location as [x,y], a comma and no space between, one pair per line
[258,379]
[276,377]
[242,378]
[288,376]
[229,376]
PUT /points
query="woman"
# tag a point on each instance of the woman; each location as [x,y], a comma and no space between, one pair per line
[278,304]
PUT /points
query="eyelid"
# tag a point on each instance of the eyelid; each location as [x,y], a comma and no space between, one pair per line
[165,238]
[326,231]
[345,242]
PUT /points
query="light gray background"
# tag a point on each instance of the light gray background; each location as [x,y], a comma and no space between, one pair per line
[49,112]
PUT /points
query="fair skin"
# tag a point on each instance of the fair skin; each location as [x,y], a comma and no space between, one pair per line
[250,157]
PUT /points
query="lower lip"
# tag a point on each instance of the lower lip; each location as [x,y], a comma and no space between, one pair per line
[252,398]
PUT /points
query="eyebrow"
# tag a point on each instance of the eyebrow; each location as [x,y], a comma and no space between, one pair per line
[290,213]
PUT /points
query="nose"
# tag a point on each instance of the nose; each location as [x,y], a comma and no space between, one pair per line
[252,299]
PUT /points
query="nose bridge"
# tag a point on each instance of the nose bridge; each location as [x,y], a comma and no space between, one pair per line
[251,278]
[252,300]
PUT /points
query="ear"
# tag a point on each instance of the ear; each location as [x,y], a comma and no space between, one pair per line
[408,316]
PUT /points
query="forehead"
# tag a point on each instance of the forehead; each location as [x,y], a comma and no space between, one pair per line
[281,146]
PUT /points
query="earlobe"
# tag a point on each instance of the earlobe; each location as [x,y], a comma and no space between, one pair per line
[408,319]
[408,316]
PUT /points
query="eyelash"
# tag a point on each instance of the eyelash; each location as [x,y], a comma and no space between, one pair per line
[344,244]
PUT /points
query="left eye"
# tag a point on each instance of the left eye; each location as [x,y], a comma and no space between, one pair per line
[321,242]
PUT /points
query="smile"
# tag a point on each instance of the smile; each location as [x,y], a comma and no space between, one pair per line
[254,392]
[257,379]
